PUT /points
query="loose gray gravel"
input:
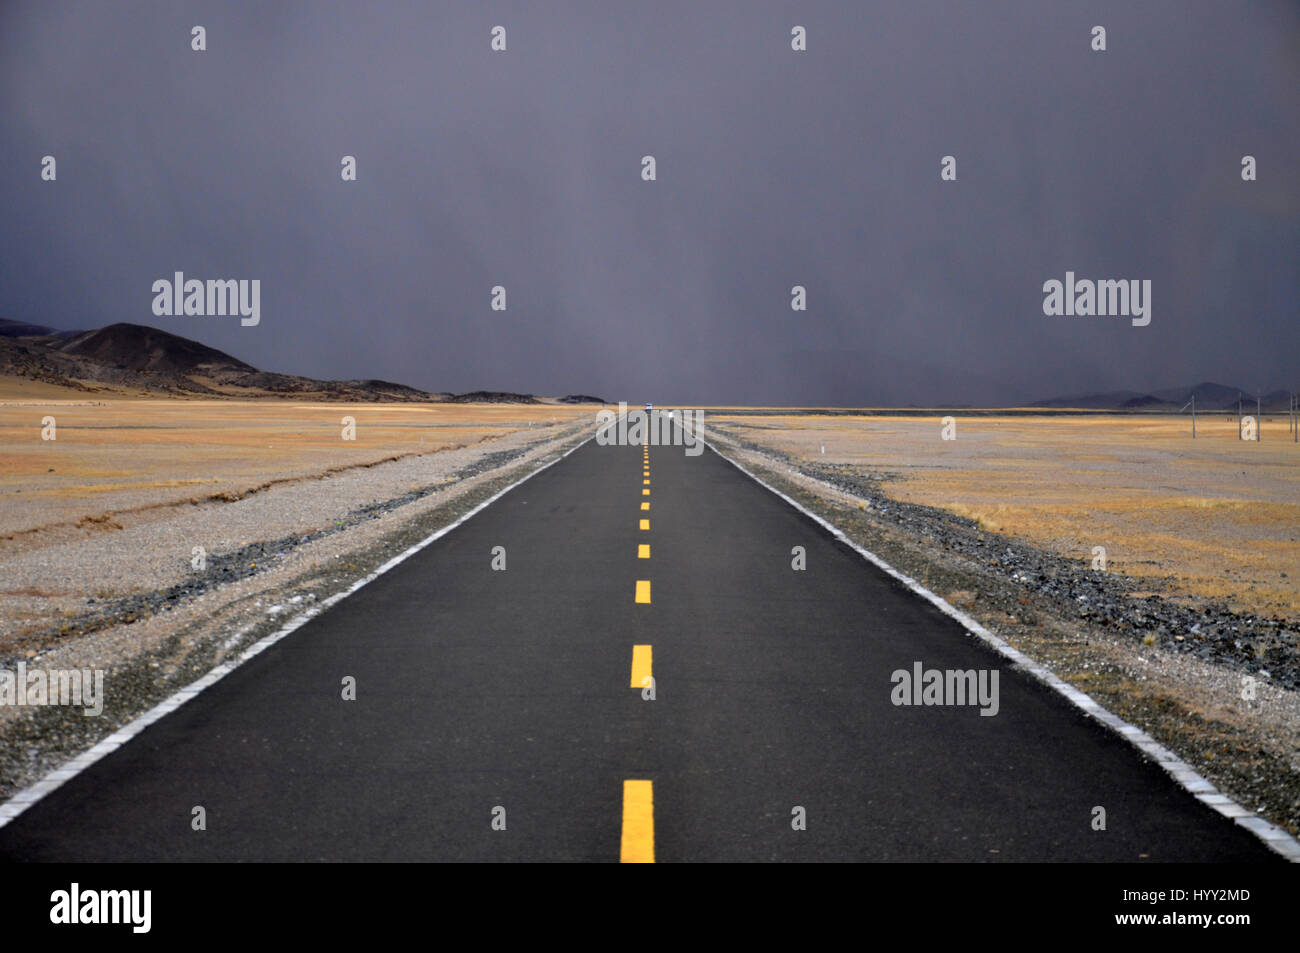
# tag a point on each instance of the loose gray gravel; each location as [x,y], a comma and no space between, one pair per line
[1268,648]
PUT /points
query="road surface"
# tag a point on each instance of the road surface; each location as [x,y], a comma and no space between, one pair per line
[496,717]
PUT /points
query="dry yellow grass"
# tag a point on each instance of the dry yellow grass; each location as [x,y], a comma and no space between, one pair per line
[20,388]
[1218,515]
[114,455]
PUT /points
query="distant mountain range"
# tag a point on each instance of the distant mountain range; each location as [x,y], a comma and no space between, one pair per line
[131,359]
[1209,396]
[134,359]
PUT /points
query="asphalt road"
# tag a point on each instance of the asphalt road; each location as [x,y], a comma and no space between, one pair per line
[489,696]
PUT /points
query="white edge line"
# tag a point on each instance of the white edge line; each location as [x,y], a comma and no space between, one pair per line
[1182,772]
[70,769]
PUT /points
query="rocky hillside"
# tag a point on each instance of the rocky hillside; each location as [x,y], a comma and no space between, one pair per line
[131,359]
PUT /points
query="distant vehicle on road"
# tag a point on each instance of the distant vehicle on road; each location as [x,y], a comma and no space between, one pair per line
[649,407]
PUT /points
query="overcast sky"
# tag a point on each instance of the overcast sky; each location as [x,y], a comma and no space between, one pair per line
[775,168]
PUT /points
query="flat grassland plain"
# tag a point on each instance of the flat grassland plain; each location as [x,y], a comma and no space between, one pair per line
[1212,517]
[113,456]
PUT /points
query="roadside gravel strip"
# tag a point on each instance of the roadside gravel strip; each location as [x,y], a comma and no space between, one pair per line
[159,623]
[1176,671]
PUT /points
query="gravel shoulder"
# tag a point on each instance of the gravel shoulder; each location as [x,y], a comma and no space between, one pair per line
[1182,674]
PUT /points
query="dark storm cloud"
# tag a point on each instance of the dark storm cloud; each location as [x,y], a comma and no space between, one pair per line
[775,169]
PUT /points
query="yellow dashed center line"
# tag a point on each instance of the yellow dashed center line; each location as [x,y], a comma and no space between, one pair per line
[641,667]
[638,845]
[638,842]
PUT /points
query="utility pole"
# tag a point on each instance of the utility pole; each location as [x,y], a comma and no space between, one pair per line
[1192,403]
[1238,415]
[1259,420]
